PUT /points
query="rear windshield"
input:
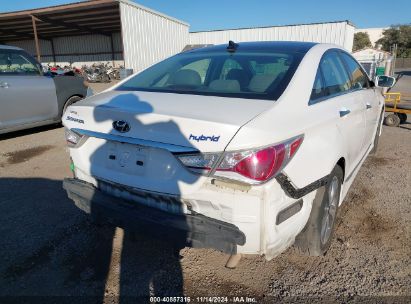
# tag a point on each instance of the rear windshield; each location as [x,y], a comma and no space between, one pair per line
[256,75]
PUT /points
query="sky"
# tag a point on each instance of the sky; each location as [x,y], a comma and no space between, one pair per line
[224,14]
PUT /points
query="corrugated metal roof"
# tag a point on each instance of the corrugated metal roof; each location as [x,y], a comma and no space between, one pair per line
[79,18]
[100,17]
[86,3]
[50,8]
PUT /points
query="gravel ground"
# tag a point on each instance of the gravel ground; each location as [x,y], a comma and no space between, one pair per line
[49,248]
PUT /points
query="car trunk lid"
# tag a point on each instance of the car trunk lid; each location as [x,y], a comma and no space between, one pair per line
[206,123]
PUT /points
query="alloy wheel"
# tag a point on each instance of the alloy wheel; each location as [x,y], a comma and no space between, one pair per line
[330,210]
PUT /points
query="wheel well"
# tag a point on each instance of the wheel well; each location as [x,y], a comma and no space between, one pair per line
[341,163]
[75,95]
[65,103]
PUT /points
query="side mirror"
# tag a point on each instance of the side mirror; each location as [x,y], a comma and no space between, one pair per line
[385,81]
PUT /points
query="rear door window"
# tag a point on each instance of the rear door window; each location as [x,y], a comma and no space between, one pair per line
[358,77]
[319,90]
[336,79]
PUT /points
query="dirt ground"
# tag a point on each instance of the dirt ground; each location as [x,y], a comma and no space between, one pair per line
[50,248]
[98,87]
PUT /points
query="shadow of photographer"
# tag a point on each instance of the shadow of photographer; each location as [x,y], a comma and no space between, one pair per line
[127,171]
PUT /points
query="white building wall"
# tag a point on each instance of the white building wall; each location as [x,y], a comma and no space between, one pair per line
[76,50]
[148,36]
[340,33]
[371,54]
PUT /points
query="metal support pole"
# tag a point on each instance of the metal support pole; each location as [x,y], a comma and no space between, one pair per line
[36,40]
[112,48]
[53,51]
[122,37]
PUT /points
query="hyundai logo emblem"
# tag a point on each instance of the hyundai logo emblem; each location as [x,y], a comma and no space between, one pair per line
[121,126]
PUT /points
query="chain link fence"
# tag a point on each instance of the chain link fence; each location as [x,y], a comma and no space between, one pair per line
[401,63]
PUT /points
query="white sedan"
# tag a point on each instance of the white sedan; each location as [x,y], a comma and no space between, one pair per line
[246,148]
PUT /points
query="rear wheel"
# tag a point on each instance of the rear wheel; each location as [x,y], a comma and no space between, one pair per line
[403,117]
[315,239]
[392,120]
[377,134]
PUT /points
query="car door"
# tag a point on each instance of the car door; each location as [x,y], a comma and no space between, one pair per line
[360,83]
[349,105]
[26,95]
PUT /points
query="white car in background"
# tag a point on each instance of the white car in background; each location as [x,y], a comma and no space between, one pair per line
[245,148]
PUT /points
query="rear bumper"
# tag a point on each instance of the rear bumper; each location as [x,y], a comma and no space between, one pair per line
[191,230]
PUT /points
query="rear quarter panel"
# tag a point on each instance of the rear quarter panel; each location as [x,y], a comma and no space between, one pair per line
[291,115]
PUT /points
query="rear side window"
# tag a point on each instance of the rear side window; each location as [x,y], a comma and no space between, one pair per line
[16,62]
[358,77]
[319,90]
[336,79]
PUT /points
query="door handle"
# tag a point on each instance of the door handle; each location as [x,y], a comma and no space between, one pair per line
[344,112]
[368,106]
[4,85]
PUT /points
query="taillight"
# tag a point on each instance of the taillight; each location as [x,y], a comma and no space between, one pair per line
[294,146]
[199,162]
[73,139]
[251,166]
[261,165]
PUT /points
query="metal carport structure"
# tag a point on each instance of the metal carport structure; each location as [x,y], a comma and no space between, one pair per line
[119,31]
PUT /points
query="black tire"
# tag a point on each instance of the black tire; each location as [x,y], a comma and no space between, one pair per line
[392,120]
[315,238]
[69,102]
[403,117]
[377,134]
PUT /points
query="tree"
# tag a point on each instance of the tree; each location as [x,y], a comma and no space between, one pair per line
[361,40]
[400,35]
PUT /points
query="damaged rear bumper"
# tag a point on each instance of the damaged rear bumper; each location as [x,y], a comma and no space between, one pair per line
[191,230]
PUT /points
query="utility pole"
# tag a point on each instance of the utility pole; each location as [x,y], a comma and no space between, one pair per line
[395,58]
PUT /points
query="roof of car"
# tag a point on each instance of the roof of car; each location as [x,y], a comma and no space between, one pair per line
[8,47]
[265,46]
